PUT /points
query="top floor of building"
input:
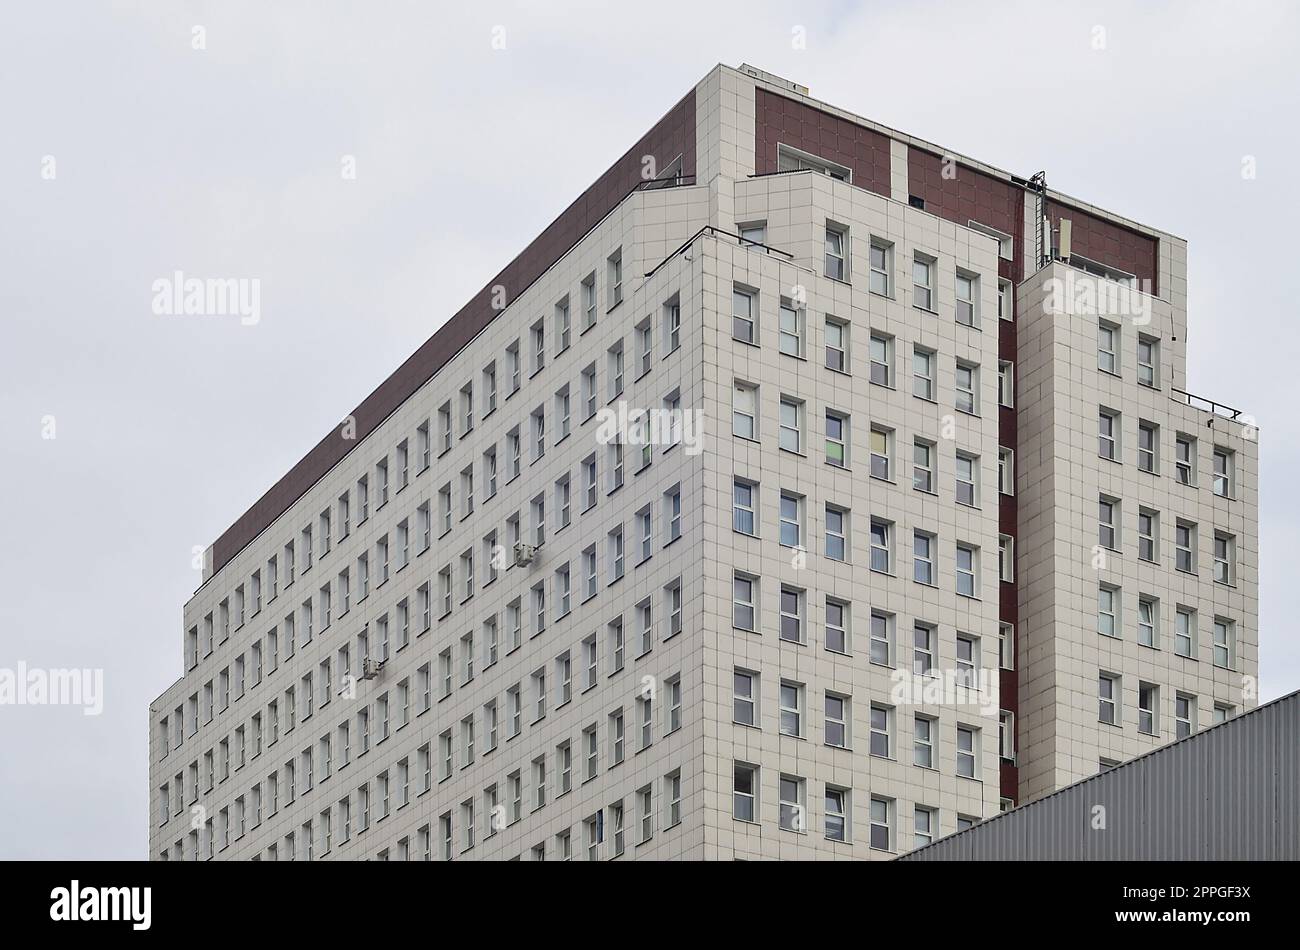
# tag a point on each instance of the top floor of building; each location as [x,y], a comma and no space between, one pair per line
[734,127]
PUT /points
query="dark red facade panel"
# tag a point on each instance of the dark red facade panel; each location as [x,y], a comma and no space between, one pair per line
[1108,243]
[782,121]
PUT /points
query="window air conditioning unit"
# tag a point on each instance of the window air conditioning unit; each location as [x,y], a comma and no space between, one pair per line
[370,669]
[524,554]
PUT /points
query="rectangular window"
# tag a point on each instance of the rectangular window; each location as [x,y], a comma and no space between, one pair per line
[672,325]
[790,518]
[743,516]
[923,558]
[744,602]
[837,345]
[1108,610]
[1185,546]
[1184,715]
[968,660]
[837,439]
[744,316]
[923,742]
[881,732]
[881,260]
[790,330]
[1148,620]
[1148,446]
[881,351]
[1222,484]
[967,565]
[745,697]
[836,812]
[1148,361]
[923,466]
[1108,522]
[1006,384]
[1148,534]
[967,468]
[791,425]
[1185,632]
[881,451]
[790,696]
[967,751]
[1108,699]
[792,607]
[744,788]
[837,531]
[1224,558]
[1224,643]
[1148,708]
[882,638]
[1108,347]
[837,241]
[792,812]
[923,373]
[1108,434]
[744,411]
[923,646]
[1185,459]
[967,386]
[967,299]
[615,268]
[882,824]
[923,282]
[923,826]
[836,729]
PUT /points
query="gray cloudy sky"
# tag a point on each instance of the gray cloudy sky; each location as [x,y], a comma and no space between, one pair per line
[225,162]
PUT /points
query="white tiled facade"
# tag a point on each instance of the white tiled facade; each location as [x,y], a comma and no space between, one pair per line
[663,785]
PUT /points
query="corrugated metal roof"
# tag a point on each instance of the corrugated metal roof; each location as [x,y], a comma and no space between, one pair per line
[1230,792]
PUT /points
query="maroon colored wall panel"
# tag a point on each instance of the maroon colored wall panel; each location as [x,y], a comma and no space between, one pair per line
[782,121]
[1109,243]
[969,195]
[673,135]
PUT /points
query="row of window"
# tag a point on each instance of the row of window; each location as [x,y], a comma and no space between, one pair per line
[1110,708]
[603,837]
[838,265]
[838,721]
[966,570]
[1108,354]
[836,813]
[1186,539]
[1223,461]
[1186,639]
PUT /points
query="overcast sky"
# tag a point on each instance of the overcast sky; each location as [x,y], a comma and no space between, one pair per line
[225,161]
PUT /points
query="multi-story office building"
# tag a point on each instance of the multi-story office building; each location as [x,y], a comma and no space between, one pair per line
[926,523]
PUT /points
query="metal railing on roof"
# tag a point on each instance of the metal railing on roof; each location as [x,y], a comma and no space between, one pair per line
[1201,402]
[718,232]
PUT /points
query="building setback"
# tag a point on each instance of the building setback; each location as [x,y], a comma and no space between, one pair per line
[1231,793]
[930,533]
